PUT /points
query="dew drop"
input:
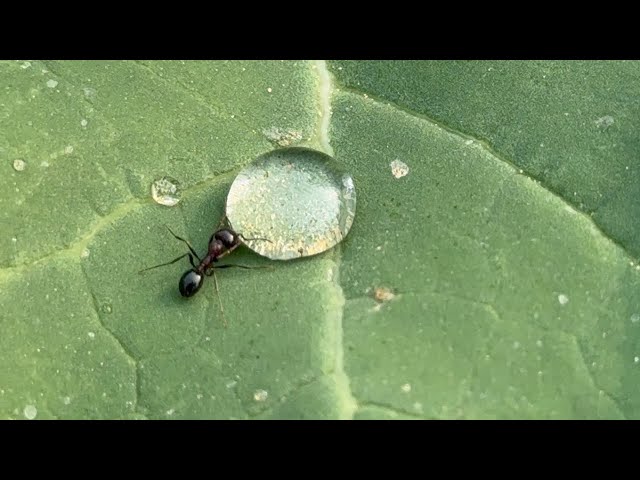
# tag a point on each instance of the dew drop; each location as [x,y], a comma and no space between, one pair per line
[85,253]
[406,388]
[635,318]
[106,308]
[383,294]
[92,335]
[399,169]
[19,165]
[83,123]
[30,412]
[166,191]
[260,395]
[66,400]
[563,299]
[300,200]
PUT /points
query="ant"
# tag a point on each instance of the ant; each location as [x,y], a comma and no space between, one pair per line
[222,243]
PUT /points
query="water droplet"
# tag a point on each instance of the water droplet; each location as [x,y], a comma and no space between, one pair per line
[85,253]
[399,169]
[171,411]
[199,396]
[52,83]
[563,299]
[25,65]
[166,191]
[19,165]
[605,122]
[636,359]
[282,137]
[106,308]
[269,90]
[260,395]
[299,199]
[406,388]
[383,294]
[91,335]
[30,412]
[635,318]
[83,123]
[231,384]
[68,150]
[66,400]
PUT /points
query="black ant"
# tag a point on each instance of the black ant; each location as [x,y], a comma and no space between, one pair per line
[222,243]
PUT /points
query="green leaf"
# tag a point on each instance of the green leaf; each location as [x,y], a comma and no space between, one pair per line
[495,279]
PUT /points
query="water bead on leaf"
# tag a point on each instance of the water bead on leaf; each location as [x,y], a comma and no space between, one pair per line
[300,199]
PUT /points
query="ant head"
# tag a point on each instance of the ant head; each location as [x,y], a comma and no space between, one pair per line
[190,283]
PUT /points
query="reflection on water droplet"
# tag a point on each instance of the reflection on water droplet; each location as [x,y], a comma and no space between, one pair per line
[299,199]
[30,412]
[166,191]
[85,253]
[19,165]
[260,395]
[563,299]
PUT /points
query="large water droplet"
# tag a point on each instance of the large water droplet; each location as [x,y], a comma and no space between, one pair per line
[166,191]
[299,199]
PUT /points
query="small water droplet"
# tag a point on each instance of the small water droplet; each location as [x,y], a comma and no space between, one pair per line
[52,83]
[300,200]
[83,123]
[66,400]
[30,412]
[68,150]
[171,411]
[25,65]
[605,122]
[260,395]
[563,299]
[85,253]
[91,335]
[383,294]
[636,359]
[19,165]
[398,168]
[166,191]
[635,318]
[269,90]
[199,396]
[406,388]
[106,308]
[231,384]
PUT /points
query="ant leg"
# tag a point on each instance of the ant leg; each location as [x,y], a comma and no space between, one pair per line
[183,240]
[215,282]
[223,221]
[169,263]
[229,265]
[245,239]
